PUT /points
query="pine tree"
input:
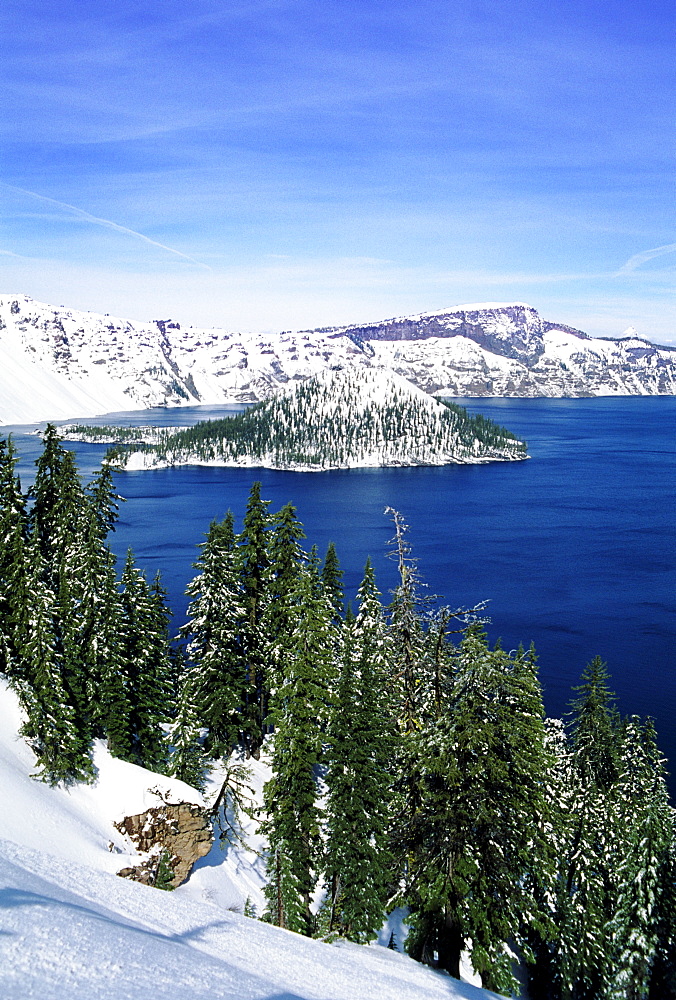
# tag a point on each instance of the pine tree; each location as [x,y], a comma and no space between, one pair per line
[588,879]
[104,500]
[13,531]
[406,629]
[299,714]
[89,617]
[45,492]
[483,842]
[254,566]
[332,576]
[663,970]
[216,621]
[644,834]
[51,729]
[145,669]
[406,673]
[286,562]
[360,744]
[188,758]
[154,688]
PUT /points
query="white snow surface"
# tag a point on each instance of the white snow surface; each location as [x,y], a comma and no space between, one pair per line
[70,929]
[57,363]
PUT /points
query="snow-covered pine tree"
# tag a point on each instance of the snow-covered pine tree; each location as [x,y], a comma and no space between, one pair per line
[406,630]
[216,679]
[45,493]
[104,500]
[589,864]
[643,835]
[360,739]
[299,714]
[541,952]
[482,827]
[51,728]
[155,687]
[332,576]
[406,682]
[663,970]
[60,532]
[145,667]
[254,565]
[89,611]
[13,530]
[188,759]
[286,562]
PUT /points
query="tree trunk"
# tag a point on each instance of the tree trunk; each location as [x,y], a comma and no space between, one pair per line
[449,946]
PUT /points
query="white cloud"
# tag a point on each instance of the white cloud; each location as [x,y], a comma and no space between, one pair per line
[641,258]
[106,223]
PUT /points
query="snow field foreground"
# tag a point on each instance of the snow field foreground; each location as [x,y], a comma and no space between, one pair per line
[70,929]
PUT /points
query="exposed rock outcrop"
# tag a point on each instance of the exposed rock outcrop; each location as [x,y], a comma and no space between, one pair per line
[180,832]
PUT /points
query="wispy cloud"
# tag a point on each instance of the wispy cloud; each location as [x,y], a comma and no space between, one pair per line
[10,253]
[106,223]
[641,258]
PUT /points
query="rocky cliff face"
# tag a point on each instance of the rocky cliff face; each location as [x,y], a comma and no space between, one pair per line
[513,331]
[57,363]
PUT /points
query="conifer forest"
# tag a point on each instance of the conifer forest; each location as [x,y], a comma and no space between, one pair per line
[412,763]
[340,419]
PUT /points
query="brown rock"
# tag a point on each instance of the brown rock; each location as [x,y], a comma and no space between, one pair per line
[182,830]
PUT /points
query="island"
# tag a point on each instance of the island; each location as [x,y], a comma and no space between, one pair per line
[342,418]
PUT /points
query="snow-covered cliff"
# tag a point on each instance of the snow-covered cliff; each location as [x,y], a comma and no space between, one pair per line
[57,363]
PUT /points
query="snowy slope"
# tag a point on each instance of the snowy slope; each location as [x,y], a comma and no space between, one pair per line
[70,929]
[57,363]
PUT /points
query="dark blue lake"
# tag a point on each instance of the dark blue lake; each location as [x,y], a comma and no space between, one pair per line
[575,549]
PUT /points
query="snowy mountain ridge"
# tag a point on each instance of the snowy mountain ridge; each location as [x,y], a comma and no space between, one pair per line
[57,363]
[70,929]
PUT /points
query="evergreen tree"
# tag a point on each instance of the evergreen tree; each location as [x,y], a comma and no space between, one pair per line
[104,500]
[299,714]
[332,576]
[51,729]
[13,530]
[145,667]
[188,759]
[406,629]
[588,880]
[483,843]
[286,561]
[216,621]
[663,971]
[45,492]
[89,616]
[406,670]
[254,566]
[360,744]
[644,834]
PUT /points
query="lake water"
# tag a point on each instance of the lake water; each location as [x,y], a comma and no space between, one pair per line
[575,549]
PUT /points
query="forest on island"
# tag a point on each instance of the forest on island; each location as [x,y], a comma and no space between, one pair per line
[412,762]
[332,422]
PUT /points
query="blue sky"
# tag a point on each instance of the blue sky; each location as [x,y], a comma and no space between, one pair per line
[276,164]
